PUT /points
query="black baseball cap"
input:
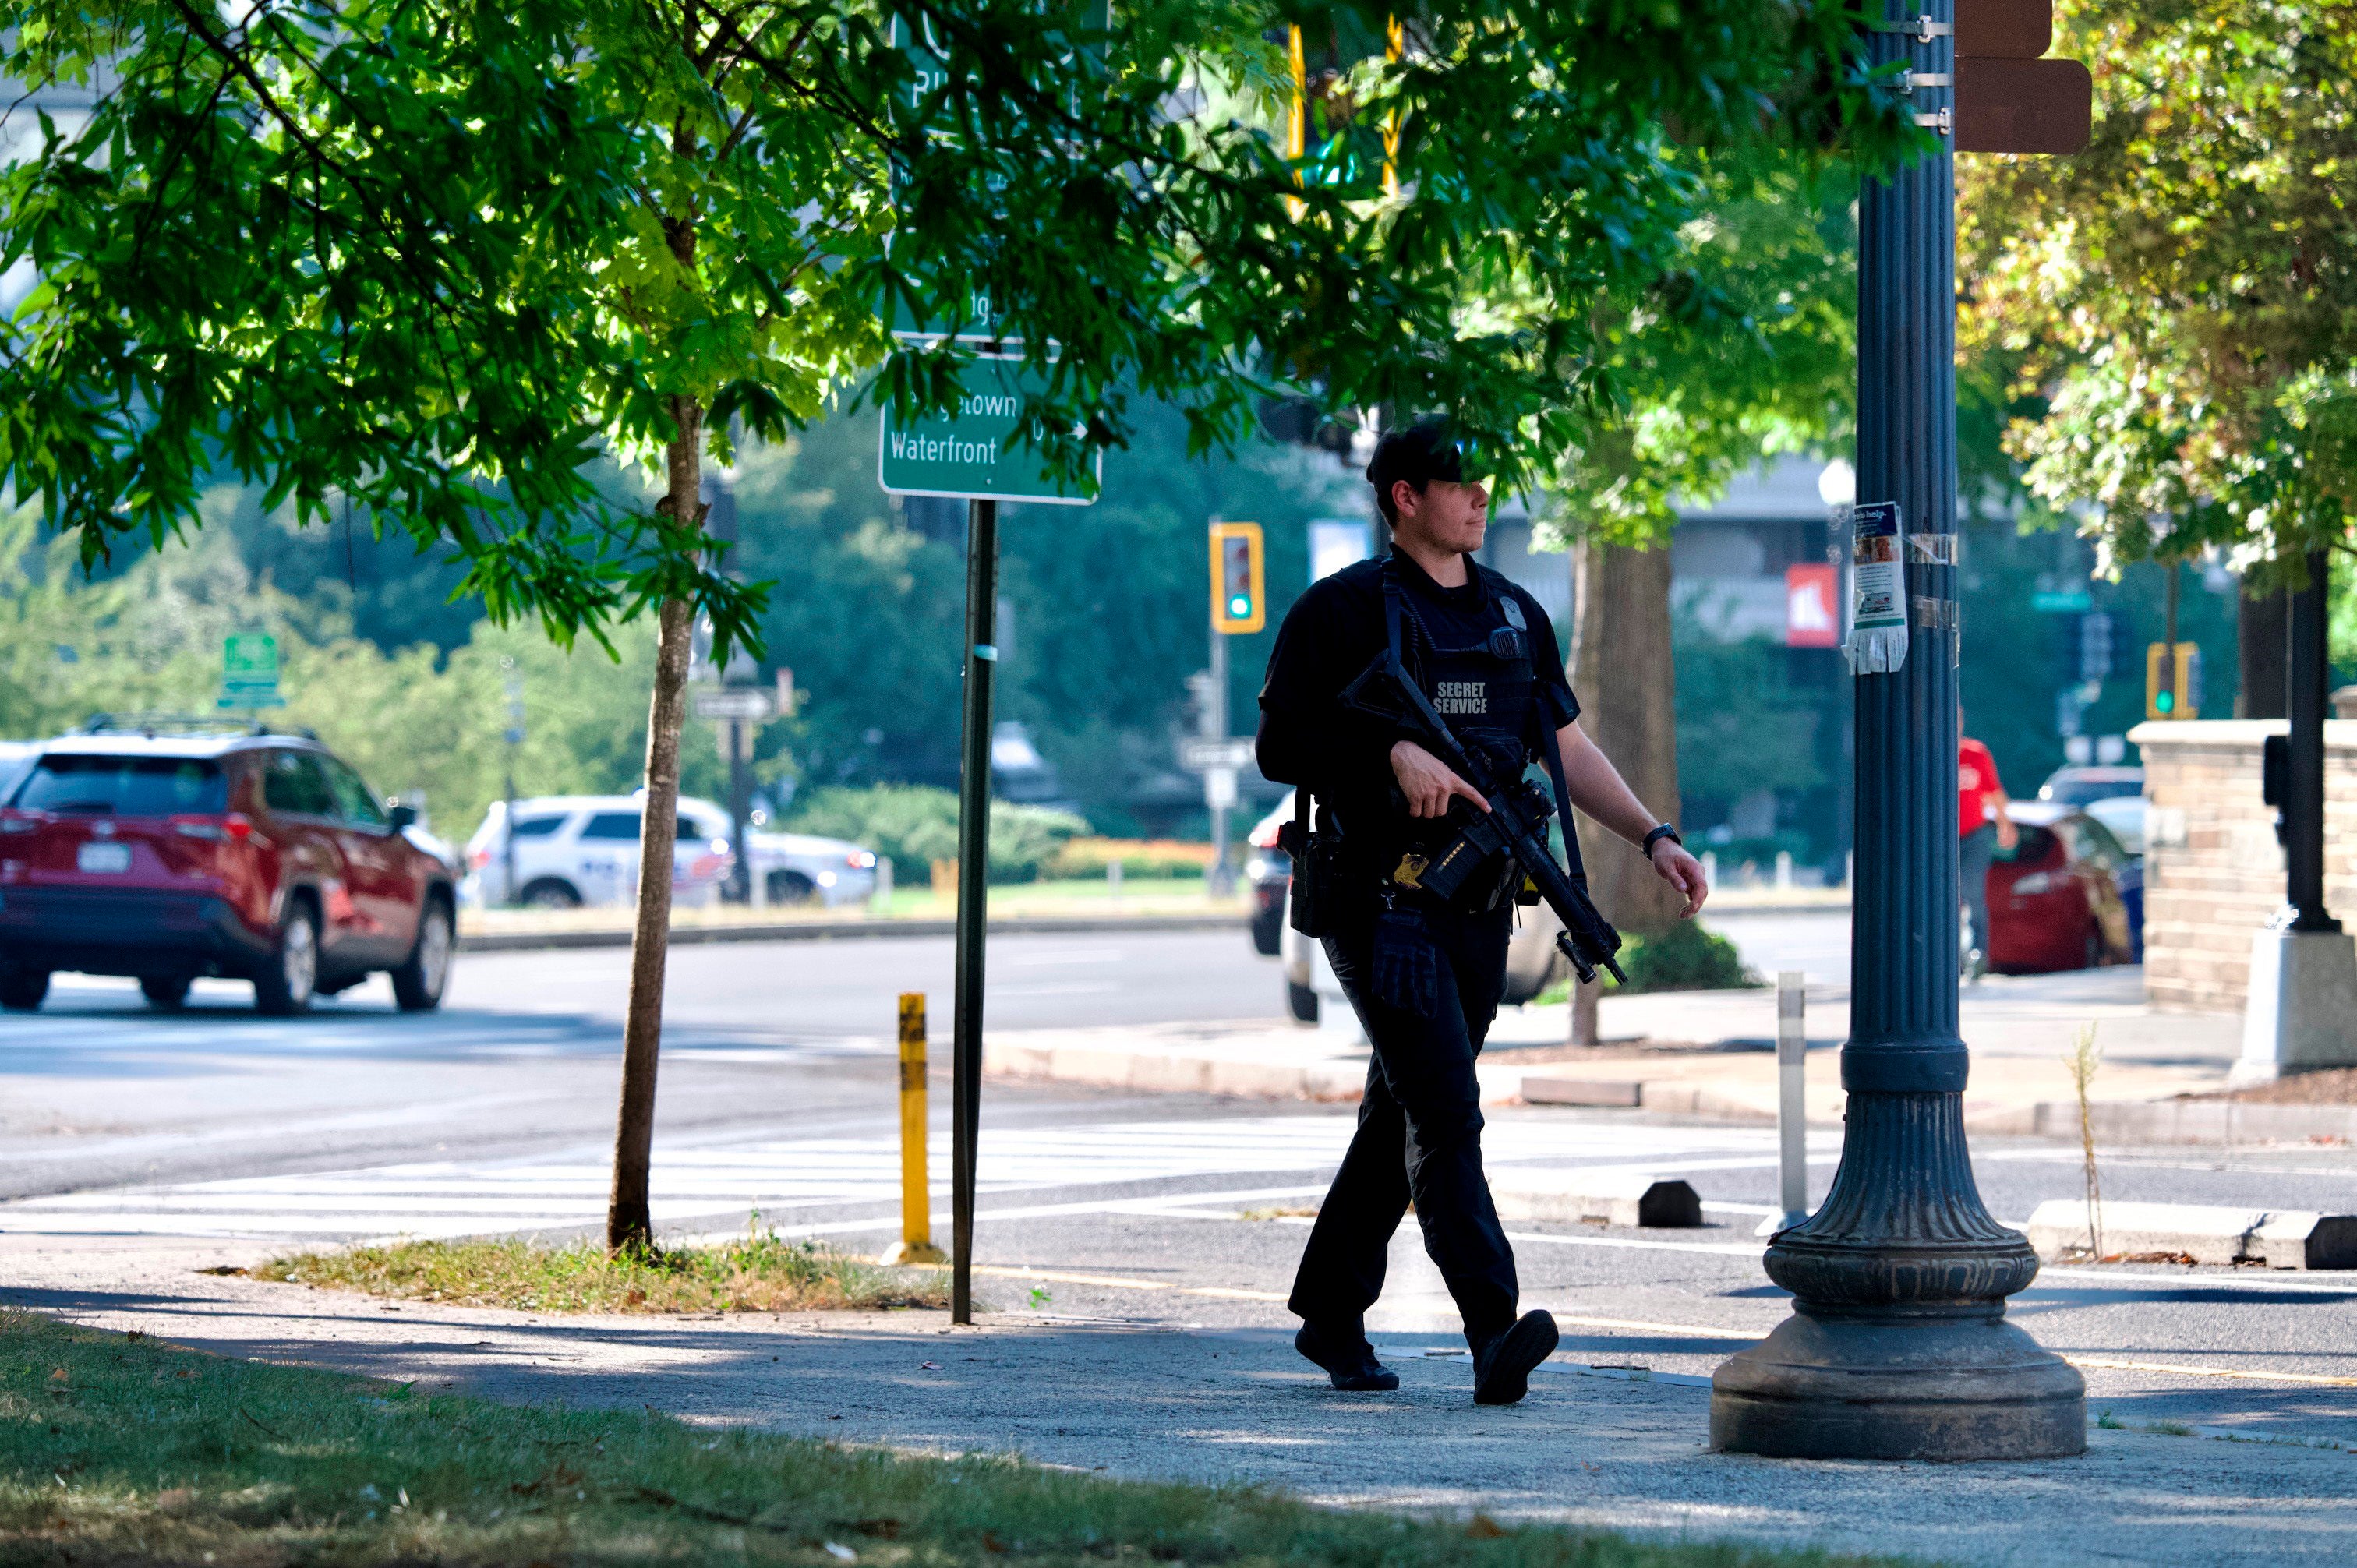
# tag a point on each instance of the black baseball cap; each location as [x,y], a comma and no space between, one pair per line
[1419,453]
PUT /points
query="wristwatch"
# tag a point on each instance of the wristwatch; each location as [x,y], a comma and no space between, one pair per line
[1658,834]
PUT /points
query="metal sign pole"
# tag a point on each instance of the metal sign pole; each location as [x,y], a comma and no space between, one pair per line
[1899,1347]
[973,892]
[1216,791]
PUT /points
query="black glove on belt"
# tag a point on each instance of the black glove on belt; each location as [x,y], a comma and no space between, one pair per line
[1406,965]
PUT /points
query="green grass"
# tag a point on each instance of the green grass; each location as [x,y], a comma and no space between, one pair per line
[125,1450]
[760,1273]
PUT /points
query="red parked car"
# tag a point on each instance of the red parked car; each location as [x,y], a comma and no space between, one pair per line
[260,857]
[2054,898]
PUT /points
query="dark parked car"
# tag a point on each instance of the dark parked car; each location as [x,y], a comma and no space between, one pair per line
[1270,871]
[2055,898]
[259,857]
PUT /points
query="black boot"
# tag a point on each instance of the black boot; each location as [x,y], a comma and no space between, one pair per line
[1501,1368]
[1347,1359]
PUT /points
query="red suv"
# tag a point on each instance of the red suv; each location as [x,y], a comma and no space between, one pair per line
[261,857]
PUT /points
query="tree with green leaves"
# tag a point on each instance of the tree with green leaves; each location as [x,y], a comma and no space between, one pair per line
[1743,346]
[2179,298]
[429,258]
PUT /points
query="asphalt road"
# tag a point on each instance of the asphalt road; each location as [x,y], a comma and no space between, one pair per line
[98,1087]
[118,1124]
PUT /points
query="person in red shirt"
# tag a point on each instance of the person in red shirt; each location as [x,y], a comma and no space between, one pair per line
[1983,827]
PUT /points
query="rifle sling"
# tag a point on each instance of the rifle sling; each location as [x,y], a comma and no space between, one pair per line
[1395,607]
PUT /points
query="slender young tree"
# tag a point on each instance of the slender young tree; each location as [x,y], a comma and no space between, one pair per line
[433,257]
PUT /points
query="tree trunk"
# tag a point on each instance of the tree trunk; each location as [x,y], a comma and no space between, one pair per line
[2260,623]
[630,1224]
[1623,673]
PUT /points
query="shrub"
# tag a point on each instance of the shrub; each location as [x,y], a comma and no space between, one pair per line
[913,825]
[1025,839]
[1137,857]
[1685,958]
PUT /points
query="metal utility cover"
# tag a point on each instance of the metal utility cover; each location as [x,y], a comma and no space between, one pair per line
[2023,106]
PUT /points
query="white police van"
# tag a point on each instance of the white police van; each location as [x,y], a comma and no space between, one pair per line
[573,850]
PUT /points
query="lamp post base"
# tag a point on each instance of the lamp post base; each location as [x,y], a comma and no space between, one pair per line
[1898,1385]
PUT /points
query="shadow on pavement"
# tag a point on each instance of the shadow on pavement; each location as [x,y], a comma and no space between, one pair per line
[1239,1406]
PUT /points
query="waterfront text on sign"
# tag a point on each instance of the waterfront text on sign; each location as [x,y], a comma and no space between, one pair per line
[970,451]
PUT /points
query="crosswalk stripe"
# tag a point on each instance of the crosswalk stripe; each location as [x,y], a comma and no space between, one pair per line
[459,1198]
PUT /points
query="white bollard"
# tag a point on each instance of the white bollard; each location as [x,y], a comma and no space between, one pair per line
[1792,1104]
[1710,866]
[1783,870]
[880,899]
[1112,878]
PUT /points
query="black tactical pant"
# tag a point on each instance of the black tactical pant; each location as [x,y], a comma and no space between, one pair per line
[1419,1136]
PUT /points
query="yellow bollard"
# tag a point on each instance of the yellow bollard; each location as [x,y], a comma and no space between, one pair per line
[916,1243]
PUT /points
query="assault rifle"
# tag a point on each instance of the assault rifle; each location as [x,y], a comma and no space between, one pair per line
[1515,824]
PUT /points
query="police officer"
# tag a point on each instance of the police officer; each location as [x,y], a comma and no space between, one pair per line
[1425,976]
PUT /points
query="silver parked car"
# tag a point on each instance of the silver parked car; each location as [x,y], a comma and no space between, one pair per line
[803,868]
[572,850]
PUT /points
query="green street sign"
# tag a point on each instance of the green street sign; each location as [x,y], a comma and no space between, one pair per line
[966,454]
[928,50]
[979,324]
[250,671]
[251,654]
[2064,601]
[919,39]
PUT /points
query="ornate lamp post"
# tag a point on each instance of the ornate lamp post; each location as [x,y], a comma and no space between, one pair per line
[1898,1347]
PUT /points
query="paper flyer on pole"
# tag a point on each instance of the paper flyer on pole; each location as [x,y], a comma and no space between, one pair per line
[1877,644]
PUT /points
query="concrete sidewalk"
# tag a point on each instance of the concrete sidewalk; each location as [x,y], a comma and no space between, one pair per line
[1708,1054]
[1152,1399]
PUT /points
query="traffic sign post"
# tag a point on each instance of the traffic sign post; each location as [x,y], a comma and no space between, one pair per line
[740,712]
[1238,605]
[971,452]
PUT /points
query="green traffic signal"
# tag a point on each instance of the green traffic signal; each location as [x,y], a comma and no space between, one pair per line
[1239,607]
[2165,701]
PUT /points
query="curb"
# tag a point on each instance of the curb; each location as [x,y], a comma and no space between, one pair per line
[2273,1239]
[1541,1086]
[1174,1072]
[845,930]
[2177,1122]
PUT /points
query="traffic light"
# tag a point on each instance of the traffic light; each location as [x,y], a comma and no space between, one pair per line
[1237,604]
[2094,645]
[2172,686]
